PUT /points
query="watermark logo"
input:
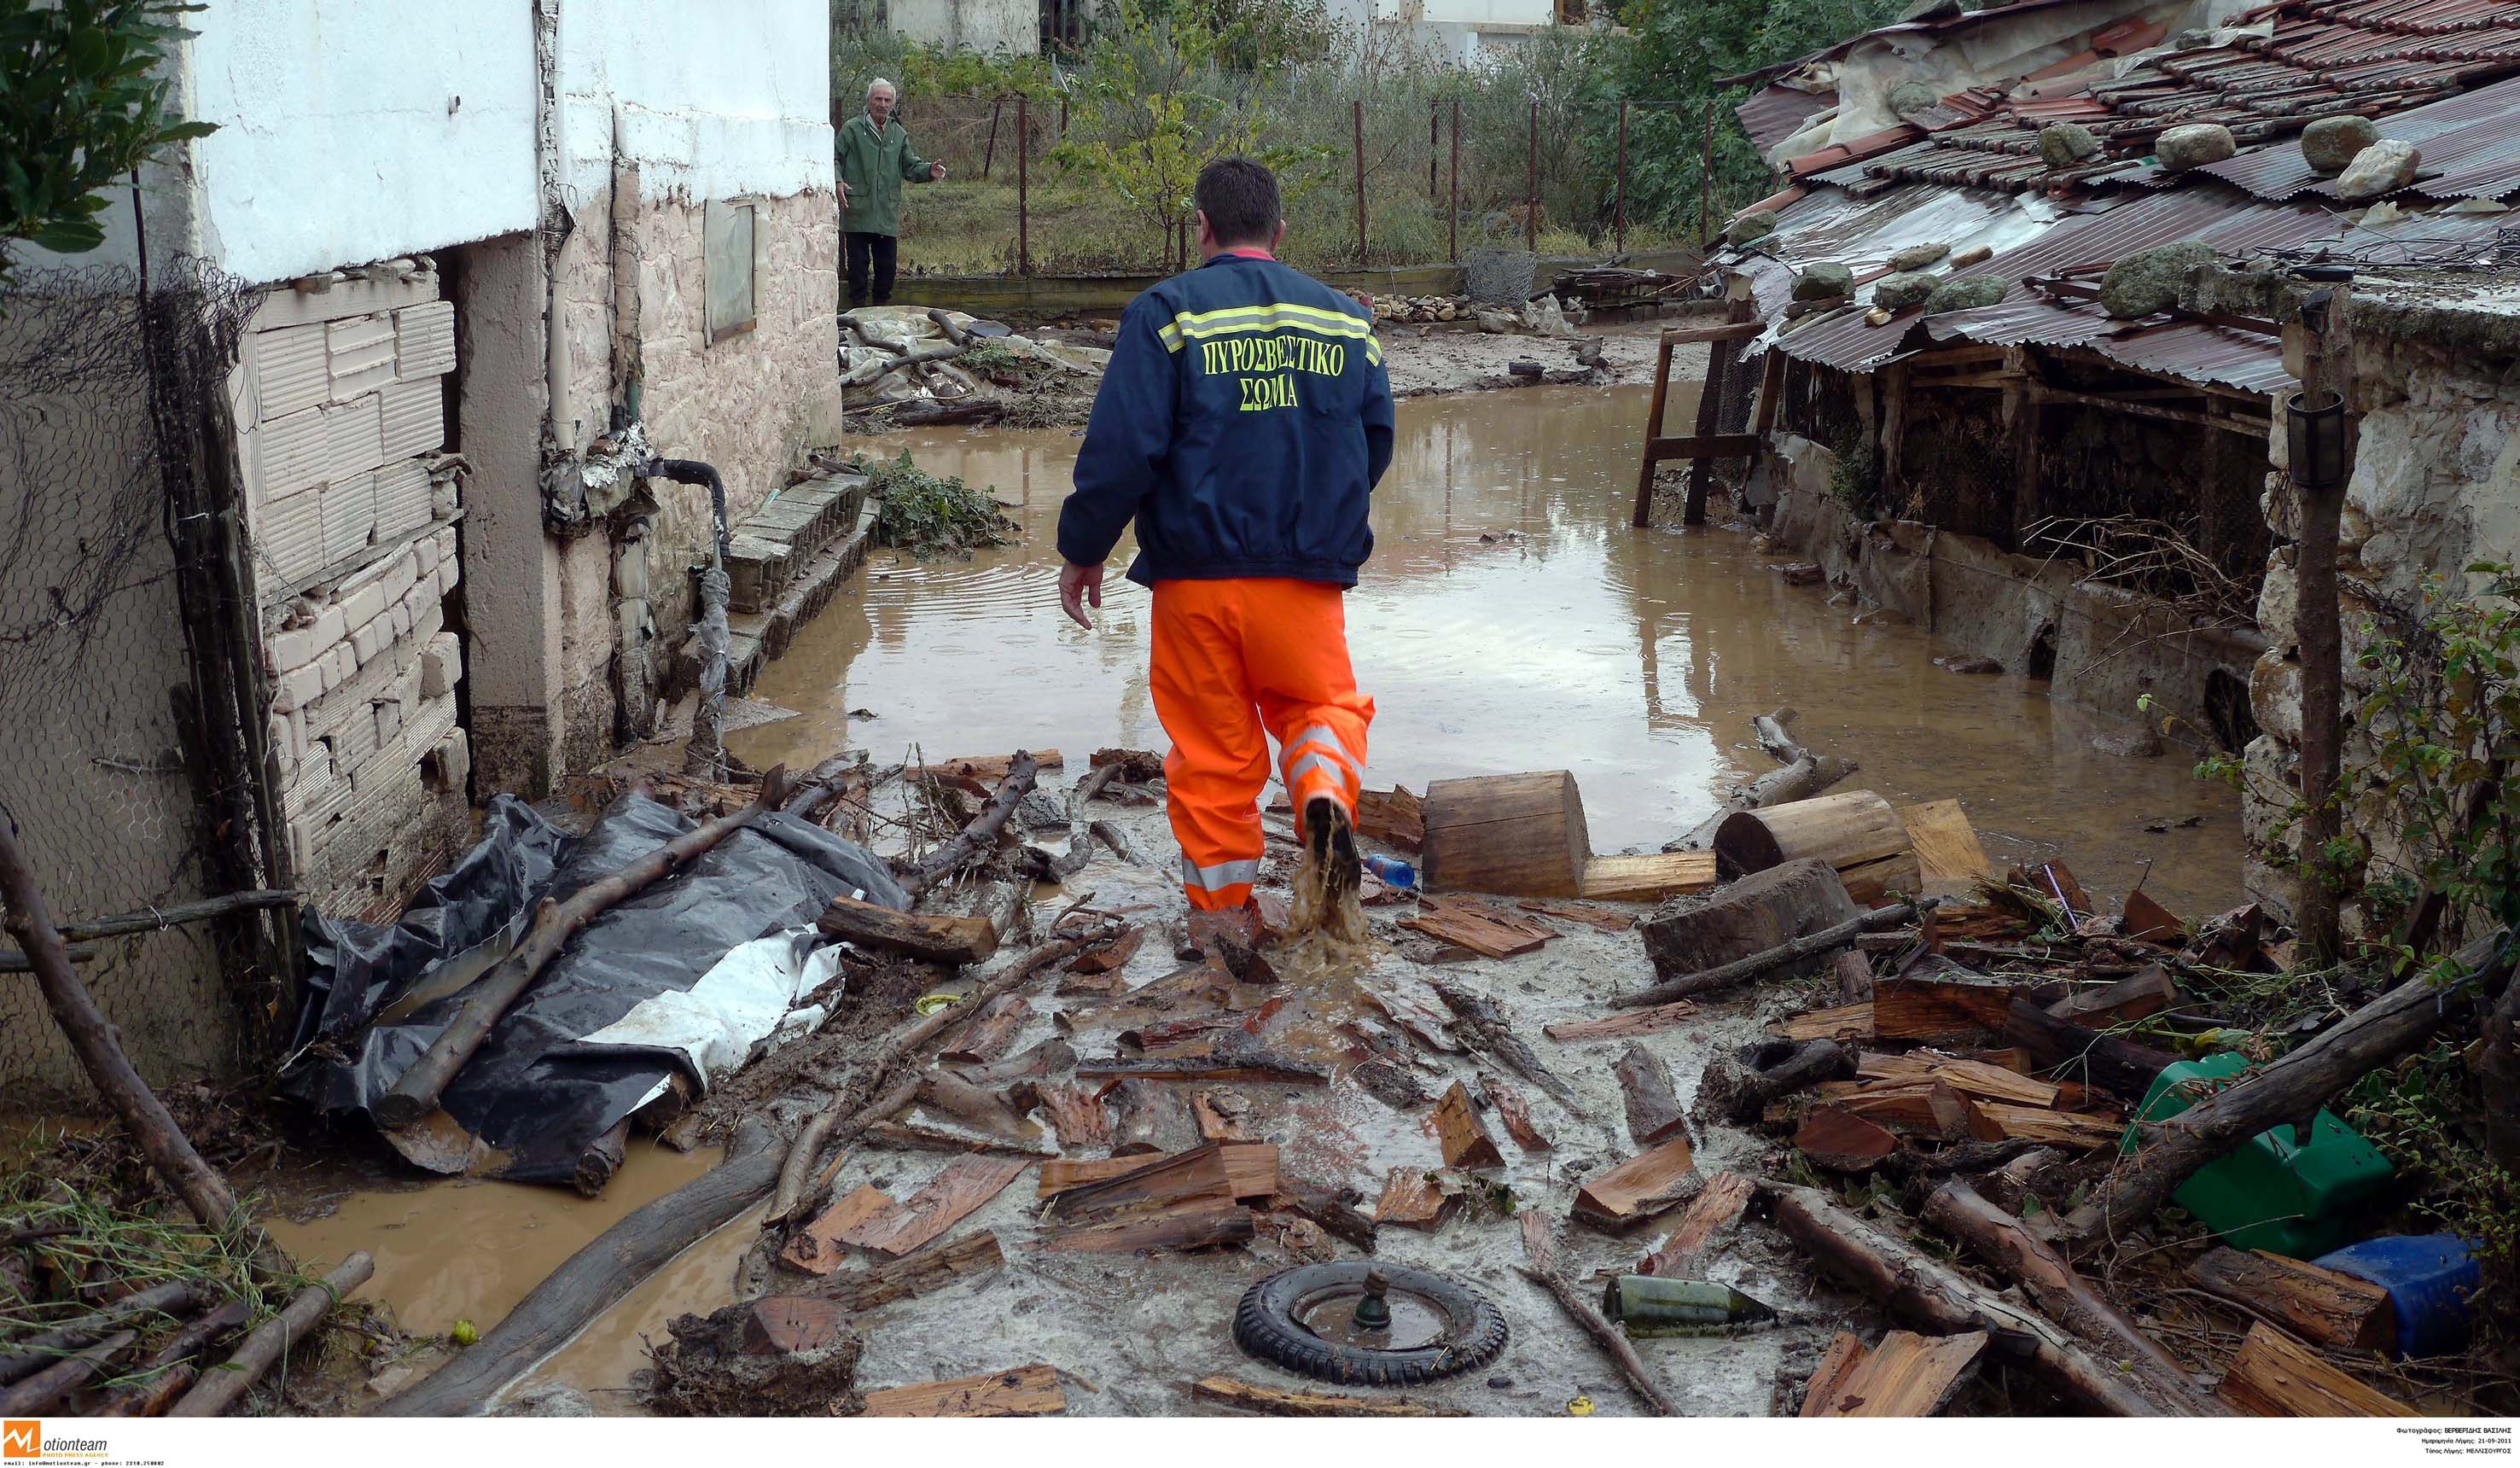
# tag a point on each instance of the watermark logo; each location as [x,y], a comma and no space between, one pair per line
[22,1437]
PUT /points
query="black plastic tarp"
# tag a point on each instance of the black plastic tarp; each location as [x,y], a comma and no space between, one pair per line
[535,1097]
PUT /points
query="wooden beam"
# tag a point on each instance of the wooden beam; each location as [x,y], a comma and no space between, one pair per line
[1729,331]
[1702,446]
[1653,429]
[2041,394]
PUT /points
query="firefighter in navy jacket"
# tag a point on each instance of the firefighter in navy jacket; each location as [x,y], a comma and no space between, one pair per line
[1243,423]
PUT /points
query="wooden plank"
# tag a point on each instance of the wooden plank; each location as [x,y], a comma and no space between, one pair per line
[1226,1061]
[992,1033]
[2323,1306]
[1025,1391]
[1716,1208]
[1645,1084]
[1460,1133]
[1640,1187]
[2108,1005]
[1209,1109]
[1473,928]
[1906,1375]
[1845,1022]
[988,769]
[1155,1185]
[1930,1106]
[1998,1123]
[2151,922]
[1970,1078]
[951,1196]
[1844,1356]
[2278,1376]
[1729,331]
[1648,878]
[1940,1010]
[1250,1169]
[1625,1024]
[1415,1198]
[1411,1004]
[1702,446]
[1947,846]
[1272,1402]
[1205,1225]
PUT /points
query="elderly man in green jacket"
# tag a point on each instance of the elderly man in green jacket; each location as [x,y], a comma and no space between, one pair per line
[875,161]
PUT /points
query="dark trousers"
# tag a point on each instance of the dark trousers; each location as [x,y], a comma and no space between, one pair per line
[878,252]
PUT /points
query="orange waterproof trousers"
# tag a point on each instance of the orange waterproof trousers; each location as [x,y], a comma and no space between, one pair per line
[1236,662]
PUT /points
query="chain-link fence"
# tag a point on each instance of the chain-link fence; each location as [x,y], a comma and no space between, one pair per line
[126,681]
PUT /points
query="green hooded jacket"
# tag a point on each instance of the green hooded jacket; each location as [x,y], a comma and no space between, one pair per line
[874,168]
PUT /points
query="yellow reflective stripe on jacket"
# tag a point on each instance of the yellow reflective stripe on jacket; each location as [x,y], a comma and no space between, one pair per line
[1273,316]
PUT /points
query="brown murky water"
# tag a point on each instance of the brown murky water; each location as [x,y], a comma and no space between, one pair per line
[1510,620]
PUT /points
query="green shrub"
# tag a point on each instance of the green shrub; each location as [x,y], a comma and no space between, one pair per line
[932,514]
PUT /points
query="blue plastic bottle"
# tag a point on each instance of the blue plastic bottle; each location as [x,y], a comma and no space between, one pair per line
[1391,870]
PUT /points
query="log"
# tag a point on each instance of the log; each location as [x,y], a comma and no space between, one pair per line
[2115,1064]
[2323,1306]
[34,1353]
[1716,1208]
[1634,1026]
[1518,835]
[2277,1376]
[1653,1112]
[1270,1401]
[1944,1005]
[219,1390]
[1745,918]
[932,938]
[2065,1298]
[1492,1032]
[980,835]
[1855,831]
[416,1094]
[172,1369]
[1604,1335]
[1780,745]
[1640,1187]
[1906,1375]
[1838,1140]
[915,1274]
[38,1393]
[1460,1132]
[1741,970]
[2401,1020]
[98,1044]
[1934,1299]
[1026,1391]
[1743,1095]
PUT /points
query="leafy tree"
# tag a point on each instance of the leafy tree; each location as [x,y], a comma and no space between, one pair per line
[81,105]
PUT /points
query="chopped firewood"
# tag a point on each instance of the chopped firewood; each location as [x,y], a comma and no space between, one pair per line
[2278,1376]
[1845,1354]
[1996,1121]
[1539,1239]
[2323,1306]
[1906,1375]
[1462,1134]
[2110,1004]
[1195,1226]
[1930,1106]
[1840,1141]
[1250,1169]
[1947,847]
[1272,1402]
[1025,1391]
[952,1095]
[1640,1187]
[1415,1198]
[1940,1009]
[1653,1112]
[1625,1025]
[992,1031]
[1854,976]
[987,768]
[1846,1022]
[1111,956]
[933,938]
[1335,1213]
[1414,1006]
[1727,1091]
[1970,1078]
[1475,928]
[1108,985]
[1516,1113]
[868,1214]
[1579,912]
[1076,1111]
[1148,1118]
[1155,1185]
[914,1274]
[1648,878]
[1522,835]
[952,1195]
[1395,818]
[2151,922]
[1220,1114]
[925,1136]
[1716,1208]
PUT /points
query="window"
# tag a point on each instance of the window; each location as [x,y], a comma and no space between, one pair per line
[726,264]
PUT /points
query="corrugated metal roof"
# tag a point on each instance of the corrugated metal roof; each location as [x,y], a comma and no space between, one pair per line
[2023,317]
[2194,351]
[2220,216]
[1773,113]
[1847,343]
[2278,170]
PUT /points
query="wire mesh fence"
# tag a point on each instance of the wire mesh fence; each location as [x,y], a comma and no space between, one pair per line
[128,781]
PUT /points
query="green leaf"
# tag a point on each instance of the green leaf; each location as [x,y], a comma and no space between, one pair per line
[69,235]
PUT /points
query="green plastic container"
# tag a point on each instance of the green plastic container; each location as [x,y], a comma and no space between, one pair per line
[2275,1192]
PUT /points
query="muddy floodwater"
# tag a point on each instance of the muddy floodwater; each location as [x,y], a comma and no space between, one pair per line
[1510,620]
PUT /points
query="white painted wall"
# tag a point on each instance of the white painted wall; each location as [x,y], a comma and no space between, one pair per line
[717,98]
[988,27]
[351,130]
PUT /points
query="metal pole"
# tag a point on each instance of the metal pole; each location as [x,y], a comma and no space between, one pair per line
[1454,215]
[989,157]
[1622,245]
[1531,196]
[1023,184]
[1434,146]
[1357,114]
[1706,177]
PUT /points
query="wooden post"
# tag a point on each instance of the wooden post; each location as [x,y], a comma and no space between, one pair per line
[1024,179]
[1722,360]
[1531,209]
[2325,338]
[1454,215]
[1706,179]
[989,156]
[2021,412]
[1653,429]
[1894,428]
[1621,244]
[1356,113]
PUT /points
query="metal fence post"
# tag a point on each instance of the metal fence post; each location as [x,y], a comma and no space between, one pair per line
[1023,184]
[1434,146]
[989,157]
[1357,115]
[1622,245]
[1452,216]
[1531,196]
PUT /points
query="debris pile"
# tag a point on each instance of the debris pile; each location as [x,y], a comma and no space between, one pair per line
[907,366]
[1421,307]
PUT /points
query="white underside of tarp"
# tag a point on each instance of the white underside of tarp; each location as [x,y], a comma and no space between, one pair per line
[747,997]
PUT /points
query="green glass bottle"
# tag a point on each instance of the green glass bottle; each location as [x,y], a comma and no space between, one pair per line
[1649,1306]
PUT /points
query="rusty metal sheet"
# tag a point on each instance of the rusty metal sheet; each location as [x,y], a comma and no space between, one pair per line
[1776,113]
[2473,139]
[1847,343]
[2224,217]
[2023,318]
[2194,351]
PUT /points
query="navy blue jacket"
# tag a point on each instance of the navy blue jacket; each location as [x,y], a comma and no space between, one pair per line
[1243,420]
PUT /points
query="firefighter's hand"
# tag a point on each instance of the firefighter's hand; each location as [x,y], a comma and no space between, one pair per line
[1078,587]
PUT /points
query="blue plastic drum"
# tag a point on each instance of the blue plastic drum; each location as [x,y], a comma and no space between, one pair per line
[2429,1278]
